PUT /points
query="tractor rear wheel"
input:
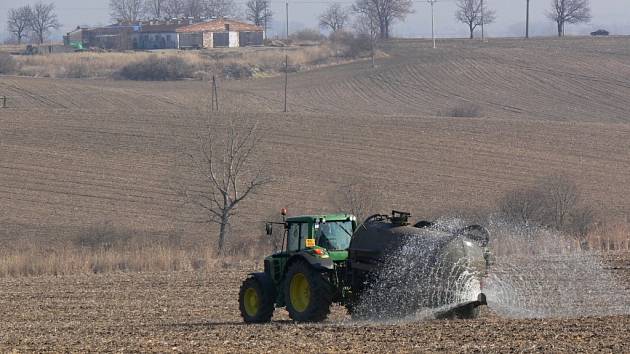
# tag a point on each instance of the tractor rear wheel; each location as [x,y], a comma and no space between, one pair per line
[307,294]
[255,301]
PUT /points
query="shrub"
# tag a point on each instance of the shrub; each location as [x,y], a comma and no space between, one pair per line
[463,110]
[77,71]
[554,202]
[237,71]
[307,34]
[103,236]
[350,46]
[7,63]
[155,68]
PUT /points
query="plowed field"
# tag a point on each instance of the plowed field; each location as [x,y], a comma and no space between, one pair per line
[77,152]
[186,312]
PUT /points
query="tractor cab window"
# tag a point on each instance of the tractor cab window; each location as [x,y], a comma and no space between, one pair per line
[298,233]
[293,242]
[334,235]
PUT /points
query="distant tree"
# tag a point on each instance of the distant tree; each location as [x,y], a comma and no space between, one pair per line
[194,8]
[383,13]
[220,8]
[334,18]
[473,15]
[126,10]
[358,197]
[155,8]
[18,22]
[225,162]
[258,12]
[553,202]
[522,206]
[43,19]
[174,8]
[569,11]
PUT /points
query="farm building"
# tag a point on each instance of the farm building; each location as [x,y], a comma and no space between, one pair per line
[115,37]
[172,34]
[220,33]
[156,36]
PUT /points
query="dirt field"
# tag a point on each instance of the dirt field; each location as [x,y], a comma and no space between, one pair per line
[184,312]
[79,152]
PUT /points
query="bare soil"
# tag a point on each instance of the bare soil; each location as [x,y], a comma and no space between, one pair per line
[198,312]
[79,152]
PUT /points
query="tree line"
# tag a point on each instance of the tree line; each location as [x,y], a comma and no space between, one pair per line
[32,21]
[378,16]
[370,16]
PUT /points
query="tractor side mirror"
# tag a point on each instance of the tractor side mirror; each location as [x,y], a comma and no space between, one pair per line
[269,228]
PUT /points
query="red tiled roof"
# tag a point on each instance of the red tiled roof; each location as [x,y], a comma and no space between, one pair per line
[219,26]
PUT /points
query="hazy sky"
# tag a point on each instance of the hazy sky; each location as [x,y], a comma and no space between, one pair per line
[613,15]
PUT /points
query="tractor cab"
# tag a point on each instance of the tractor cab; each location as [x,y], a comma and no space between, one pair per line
[320,240]
[303,273]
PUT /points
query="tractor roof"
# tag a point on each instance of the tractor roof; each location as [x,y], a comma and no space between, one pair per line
[313,218]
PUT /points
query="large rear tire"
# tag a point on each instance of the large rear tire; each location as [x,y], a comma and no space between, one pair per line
[307,294]
[255,301]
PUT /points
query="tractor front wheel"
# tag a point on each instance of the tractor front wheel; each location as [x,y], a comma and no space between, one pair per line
[308,295]
[255,301]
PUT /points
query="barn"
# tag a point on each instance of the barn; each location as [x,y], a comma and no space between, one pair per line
[156,36]
[220,33]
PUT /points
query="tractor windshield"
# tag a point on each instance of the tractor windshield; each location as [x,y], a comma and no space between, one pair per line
[334,235]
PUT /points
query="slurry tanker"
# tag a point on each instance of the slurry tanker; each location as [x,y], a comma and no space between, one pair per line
[385,267]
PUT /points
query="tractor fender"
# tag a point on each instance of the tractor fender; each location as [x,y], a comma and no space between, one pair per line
[322,264]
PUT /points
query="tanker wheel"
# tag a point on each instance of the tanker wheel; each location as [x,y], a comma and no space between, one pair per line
[307,294]
[255,301]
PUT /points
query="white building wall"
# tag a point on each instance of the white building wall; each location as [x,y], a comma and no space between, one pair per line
[233,39]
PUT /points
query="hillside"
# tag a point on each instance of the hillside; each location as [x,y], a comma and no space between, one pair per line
[79,152]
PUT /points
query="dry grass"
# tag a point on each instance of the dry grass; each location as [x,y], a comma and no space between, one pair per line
[36,260]
[610,237]
[205,63]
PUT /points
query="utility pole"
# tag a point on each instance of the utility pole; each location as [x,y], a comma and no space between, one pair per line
[286,80]
[527,21]
[372,39]
[432,2]
[482,23]
[214,105]
[286,59]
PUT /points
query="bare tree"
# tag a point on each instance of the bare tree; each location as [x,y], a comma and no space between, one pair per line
[471,13]
[155,8]
[383,13]
[554,202]
[126,10]
[522,206]
[194,8]
[258,12]
[18,22]
[220,8]
[334,18]
[561,196]
[225,163]
[43,19]
[569,11]
[358,198]
[174,8]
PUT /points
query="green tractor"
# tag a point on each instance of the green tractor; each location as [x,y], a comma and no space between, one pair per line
[328,259]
